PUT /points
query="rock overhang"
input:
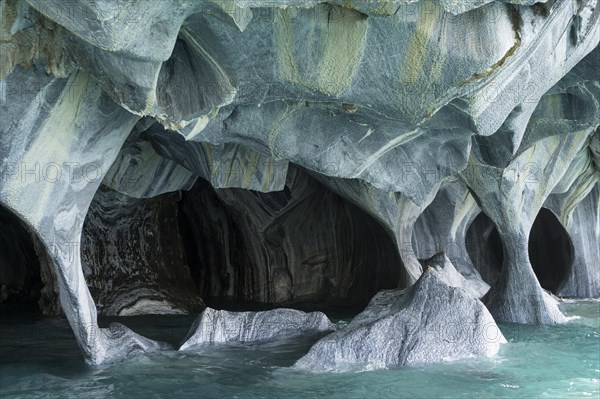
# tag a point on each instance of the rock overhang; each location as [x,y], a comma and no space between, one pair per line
[396,106]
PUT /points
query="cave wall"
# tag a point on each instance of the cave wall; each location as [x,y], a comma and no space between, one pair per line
[302,244]
[133,257]
[69,132]
[583,227]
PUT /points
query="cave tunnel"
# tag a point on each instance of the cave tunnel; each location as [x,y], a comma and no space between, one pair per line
[303,247]
[550,249]
[20,280]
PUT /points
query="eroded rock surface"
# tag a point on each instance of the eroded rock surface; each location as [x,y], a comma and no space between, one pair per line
[423,114]
[222,326]
[120,342]
[448,273]
[429,322]
[301,244]
[133,258]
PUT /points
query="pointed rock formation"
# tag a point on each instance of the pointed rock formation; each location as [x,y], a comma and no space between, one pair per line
[427,323]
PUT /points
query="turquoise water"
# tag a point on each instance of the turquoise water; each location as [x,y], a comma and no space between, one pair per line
[39,359]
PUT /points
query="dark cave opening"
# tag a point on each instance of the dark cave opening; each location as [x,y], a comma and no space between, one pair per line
[20,279]
[550,249]
[484,247]
[303,247]
[132,256]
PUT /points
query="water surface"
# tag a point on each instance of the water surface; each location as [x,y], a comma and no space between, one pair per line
[39,359]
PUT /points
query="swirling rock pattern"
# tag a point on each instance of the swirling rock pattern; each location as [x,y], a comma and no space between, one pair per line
[429,322]
[54,156]
[133,258]
[302,244]
[422,114]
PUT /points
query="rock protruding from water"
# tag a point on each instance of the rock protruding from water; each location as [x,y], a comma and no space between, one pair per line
[448,273]
[427,323]
[222,326]
[119,342]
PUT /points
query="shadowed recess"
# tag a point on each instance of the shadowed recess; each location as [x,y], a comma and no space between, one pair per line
[485,248]
[20,281]
[550,249]
[302,245]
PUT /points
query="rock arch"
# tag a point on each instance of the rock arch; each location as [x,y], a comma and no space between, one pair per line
[550,249]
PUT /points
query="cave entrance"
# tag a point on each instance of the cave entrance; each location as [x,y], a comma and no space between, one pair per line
[303,247]
[484,247]
[20,279]
[550,249]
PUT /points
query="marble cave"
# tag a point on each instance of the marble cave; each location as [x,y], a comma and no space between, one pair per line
[392,186]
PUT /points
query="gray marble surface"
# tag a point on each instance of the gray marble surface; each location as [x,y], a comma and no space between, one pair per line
[432,321]
[222,326]
[422,114]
